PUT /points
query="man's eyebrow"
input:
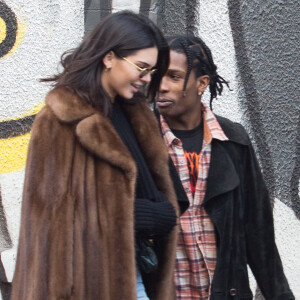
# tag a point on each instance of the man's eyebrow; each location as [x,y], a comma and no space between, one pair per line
[176,70]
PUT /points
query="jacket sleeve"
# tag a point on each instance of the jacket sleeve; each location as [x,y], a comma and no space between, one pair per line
[44,259]
[262,253]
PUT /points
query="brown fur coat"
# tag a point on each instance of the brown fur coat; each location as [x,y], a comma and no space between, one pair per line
[77,227]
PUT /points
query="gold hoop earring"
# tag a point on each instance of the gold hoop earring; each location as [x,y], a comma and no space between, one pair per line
[200,93]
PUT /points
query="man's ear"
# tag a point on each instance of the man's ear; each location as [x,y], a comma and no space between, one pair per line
[108,59]
[202,83]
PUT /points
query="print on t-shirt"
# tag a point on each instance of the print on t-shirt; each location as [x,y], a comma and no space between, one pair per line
[192,159]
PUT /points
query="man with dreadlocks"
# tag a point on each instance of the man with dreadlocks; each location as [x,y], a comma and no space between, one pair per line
[229,222]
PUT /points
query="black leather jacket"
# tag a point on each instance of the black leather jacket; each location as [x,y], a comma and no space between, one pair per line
[239,205]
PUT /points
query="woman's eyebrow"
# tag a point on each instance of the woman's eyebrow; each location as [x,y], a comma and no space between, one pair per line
[144,63]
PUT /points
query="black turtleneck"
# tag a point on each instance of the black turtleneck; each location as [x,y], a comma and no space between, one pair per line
[154,214]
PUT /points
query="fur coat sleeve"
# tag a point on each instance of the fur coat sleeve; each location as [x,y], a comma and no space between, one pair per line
[44,262]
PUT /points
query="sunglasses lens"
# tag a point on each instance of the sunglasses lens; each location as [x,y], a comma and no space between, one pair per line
[144,73]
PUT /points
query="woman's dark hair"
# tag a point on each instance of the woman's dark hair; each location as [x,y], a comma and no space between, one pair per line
[124,33]
[199,59]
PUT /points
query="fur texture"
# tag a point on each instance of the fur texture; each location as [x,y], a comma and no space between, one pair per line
[77,226]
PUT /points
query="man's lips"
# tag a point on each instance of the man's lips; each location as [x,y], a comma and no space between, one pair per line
[164,102]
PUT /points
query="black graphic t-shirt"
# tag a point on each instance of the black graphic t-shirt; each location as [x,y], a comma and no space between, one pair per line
[192,144]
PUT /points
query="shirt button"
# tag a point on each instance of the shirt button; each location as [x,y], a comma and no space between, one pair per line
[175,142]
[232,292]
[203,266]
[187,189]
[199,238]
[182,161]
[206,290]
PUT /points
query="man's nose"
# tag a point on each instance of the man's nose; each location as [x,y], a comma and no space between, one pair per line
[163,85]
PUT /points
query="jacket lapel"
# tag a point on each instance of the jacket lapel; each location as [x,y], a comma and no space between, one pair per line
[222,176]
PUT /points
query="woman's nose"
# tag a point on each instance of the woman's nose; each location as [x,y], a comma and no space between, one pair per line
[146,78]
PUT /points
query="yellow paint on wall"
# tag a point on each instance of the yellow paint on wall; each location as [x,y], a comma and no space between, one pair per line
[2,30]
[13,151]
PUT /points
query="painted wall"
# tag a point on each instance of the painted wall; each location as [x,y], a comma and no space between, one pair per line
[255,45]
[33,35]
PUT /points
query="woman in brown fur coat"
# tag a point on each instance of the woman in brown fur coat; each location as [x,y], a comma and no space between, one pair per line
[97,175]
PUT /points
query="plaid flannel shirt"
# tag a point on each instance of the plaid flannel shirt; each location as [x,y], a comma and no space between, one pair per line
[196,253]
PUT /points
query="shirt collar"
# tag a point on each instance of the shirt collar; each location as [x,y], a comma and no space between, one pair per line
[212,128]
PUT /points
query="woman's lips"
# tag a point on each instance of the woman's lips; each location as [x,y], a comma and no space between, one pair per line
[135,88]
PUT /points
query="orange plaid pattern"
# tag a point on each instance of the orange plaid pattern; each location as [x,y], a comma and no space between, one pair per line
[196,253]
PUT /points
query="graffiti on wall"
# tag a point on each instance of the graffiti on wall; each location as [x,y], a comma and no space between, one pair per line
[14,139]
[30,47]
[12,30]
[8,26]
[14,132]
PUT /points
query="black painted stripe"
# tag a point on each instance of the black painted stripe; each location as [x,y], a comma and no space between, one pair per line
[252,102]
[177,17]
[11,28]
[13,128]
[94,11]
[145,6]
[294,186]
[191,16]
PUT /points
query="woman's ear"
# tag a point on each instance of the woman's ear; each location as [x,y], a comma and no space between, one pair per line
[108,59]
[202,83]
